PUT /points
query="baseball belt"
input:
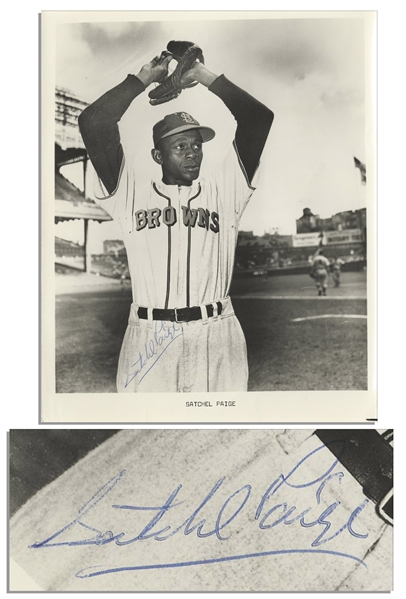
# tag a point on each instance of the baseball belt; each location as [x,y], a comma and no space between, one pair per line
[179,314]
[368,457]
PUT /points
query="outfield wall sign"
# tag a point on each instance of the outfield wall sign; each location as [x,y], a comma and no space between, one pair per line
[350,236]
[327,238]
[306,240]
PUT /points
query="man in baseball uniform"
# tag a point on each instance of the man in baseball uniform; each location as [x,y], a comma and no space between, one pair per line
[180,234]
[320,268]
[336,266]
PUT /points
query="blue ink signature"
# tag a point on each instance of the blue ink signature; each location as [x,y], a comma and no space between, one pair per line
[165,333]
[266,516]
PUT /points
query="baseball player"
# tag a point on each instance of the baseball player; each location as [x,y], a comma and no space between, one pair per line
[319,271]
[336,266]
[180,234]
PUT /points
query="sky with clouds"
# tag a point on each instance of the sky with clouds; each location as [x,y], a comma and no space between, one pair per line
[312,72]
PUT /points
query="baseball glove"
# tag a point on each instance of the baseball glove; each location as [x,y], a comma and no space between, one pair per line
[186,54]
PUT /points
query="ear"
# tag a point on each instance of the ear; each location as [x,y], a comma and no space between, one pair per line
[157,156]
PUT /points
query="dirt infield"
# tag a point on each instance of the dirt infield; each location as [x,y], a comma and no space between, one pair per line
[326,352]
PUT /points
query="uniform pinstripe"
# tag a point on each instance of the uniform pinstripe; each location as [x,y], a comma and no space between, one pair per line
[180,243]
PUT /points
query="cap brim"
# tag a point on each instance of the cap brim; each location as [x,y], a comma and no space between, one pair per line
[206,133]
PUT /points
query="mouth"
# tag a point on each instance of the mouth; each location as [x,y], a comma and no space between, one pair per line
[191,167]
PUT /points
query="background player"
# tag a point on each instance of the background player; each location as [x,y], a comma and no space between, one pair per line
[336,265]
[180,234]
[319,271]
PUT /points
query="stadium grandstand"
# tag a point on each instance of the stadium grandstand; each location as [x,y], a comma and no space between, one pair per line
[70,202]
[341,235]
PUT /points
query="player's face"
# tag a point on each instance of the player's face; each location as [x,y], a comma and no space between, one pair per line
[180,156]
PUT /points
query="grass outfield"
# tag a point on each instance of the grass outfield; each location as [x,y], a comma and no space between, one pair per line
[319,354]
[353,284]
[325,354]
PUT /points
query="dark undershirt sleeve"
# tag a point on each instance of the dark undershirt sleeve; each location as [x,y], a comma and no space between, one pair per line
[254,121]
[98,125]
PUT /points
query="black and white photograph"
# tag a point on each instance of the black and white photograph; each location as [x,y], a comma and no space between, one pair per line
[201,414]
[139,510]
[212,185]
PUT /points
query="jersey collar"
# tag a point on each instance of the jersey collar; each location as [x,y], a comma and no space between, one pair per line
[171,191]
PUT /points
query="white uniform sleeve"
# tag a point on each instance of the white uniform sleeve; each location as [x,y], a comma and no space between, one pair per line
[120,201]
[230,182]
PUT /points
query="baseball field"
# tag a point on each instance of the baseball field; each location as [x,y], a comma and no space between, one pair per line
[295,339]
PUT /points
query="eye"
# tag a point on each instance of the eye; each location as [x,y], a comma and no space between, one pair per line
[197,146]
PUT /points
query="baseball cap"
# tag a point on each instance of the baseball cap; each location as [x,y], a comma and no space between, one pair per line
[177,123]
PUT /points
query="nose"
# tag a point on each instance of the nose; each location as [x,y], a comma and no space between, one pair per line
[191,151]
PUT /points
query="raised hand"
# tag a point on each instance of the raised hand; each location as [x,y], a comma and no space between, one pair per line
[198,73]
[156,70]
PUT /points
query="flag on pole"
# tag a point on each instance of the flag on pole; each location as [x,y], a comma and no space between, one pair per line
[362,169]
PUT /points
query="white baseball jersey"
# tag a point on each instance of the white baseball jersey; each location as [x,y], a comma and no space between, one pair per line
[321,262]
[180,243]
